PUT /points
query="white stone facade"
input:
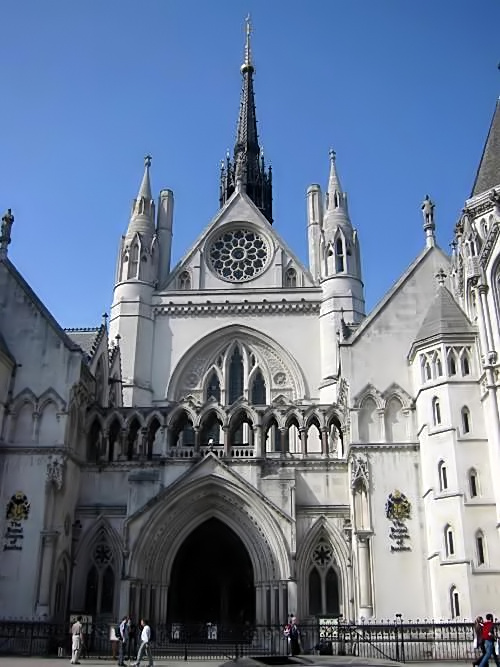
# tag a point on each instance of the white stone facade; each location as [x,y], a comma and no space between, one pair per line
[342,463]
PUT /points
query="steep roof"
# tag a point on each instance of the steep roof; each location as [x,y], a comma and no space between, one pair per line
[87,339]
[444,316]
[39,305]
[488,173]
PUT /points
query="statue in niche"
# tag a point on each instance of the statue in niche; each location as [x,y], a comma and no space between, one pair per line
[360,484]
[333,440]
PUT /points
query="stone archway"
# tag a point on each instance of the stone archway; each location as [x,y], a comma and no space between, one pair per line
[212,579]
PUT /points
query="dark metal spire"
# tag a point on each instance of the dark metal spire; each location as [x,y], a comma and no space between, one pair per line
[247,168]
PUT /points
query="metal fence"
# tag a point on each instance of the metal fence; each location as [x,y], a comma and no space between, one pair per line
[393,640]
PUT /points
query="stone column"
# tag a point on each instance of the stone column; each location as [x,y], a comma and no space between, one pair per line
[124,598]
[227,443]
[257,441]
[485,316]
[284,440]
[381,426]
[123,445]
[303,440]
[164,434]
[324,442]
[364,574]
[49,539]
[292,597]
[197,439]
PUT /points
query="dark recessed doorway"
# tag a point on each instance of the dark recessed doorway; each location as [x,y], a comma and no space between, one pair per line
[212,579]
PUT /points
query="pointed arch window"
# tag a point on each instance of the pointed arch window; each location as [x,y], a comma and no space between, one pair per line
[133,260]
[185,281]
[452,363]
[213,387]
[236,374]
[473,483]
[454,602]
[323,582]
[291,278]
[258,391]
[466,423]
[480,548]
[339,256]
[443,476]
[100,588]
[436,411]
[438,368]
[449,541]
[465,363]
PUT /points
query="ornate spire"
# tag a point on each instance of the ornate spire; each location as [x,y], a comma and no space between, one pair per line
[143,207]
[247,168]
[335,194]
[145,189]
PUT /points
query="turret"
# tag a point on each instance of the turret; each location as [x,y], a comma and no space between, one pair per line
[339,268]
[164,233]
[136,279]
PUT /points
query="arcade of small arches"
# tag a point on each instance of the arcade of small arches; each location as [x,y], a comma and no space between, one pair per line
[384,417]
[125,434]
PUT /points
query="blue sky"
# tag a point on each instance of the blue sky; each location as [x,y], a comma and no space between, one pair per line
[404,92]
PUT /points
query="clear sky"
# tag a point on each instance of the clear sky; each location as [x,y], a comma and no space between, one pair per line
[404,91]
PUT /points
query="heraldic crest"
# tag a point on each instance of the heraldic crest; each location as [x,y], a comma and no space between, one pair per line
[18,507]
[397,507]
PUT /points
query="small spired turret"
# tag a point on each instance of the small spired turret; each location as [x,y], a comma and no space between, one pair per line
[335,262]
[138,256]
[5,232]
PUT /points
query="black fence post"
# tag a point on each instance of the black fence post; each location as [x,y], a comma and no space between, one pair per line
[185,652]
[396,636]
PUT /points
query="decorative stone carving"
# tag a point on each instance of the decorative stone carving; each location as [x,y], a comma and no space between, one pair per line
[55,471]
[360,474]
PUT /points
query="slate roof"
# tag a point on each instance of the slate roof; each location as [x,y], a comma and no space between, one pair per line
[444,316]
[488,174]
[87,339]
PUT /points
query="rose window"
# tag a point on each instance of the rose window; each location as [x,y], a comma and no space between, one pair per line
[239,255]
[322,555]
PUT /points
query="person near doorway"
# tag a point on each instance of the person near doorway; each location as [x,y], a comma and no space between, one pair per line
[145,647]
[132,639]
[124,631]
[489,637]
[294,636]
[76,640]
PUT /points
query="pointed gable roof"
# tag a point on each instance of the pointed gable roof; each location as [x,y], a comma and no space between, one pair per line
[488,173]
[444,317]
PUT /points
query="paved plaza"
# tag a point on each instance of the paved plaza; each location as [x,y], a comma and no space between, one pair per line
[57,662]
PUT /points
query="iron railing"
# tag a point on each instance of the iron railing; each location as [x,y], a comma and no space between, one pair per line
[397,640]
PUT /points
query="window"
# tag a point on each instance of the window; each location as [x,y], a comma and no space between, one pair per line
[213,387]
[133,260]
[452,363]
[100,589]
[291,278]
[465,420]
[436,411]
[465,363]
[235,376]
[258,392]
[480,548]
[449,541]
[323,582]
[473,483]
[428,372]
[339,256]
[443,476]
[436,365]
[185,281]
[454,602]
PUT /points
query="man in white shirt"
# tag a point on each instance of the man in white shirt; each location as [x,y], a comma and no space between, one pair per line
[76,640]
[145,646]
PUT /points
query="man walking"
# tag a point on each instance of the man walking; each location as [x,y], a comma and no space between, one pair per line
[76,640]
[145,646]
[489,637]
[123,637]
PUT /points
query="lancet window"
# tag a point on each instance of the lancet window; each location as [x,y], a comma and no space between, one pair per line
[323,583]
[339,256]
[100,588]
[236,375]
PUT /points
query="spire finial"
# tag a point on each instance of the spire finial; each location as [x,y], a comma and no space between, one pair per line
[5,230]
[332,154]
[105,319]
[147,161]
[247,63]
[428,207]
[441,277]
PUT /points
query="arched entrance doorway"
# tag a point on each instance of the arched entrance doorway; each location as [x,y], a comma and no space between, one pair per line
[212,578]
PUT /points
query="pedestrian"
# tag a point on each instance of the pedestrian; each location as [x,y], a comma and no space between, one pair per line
[76,640]
[123,638]
[478,639]
[145,646]
[488,635]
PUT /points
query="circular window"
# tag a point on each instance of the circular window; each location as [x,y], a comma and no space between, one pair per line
[238,255]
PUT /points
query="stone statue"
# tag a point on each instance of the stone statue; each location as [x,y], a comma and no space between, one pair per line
[428,211]
[494,198]
[5,230]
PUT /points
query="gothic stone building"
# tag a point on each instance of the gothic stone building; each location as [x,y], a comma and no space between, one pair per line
[242,440]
